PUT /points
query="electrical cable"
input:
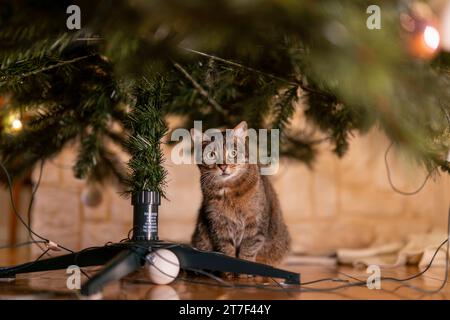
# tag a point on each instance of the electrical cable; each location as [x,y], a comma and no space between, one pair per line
[27,264]
[50,245]
[13,205]
[19,217]
[22,244]
[388,172]
[223,283]
[302,288]
[30,205]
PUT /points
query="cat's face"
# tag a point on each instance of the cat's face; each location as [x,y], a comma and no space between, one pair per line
[224,164]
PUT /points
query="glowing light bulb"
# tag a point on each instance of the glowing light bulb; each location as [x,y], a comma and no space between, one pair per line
[16,124]
[431,37]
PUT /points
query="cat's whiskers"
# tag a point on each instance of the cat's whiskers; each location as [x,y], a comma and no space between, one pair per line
[206,178]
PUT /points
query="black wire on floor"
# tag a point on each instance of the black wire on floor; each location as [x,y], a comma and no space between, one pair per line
[303,287]
[279,287]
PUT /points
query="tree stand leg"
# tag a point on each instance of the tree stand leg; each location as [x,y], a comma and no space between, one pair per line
[122,259]
[84,258]
[193,259]
[120,266]
[190,259]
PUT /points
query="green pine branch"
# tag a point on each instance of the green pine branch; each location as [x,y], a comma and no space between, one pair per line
[349,79]
[146,131]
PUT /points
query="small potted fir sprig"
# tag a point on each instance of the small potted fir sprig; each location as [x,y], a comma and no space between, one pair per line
[147,175]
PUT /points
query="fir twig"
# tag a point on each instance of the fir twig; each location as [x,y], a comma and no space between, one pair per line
[301,84]
[54,66]
[284,109]
[147,128]
[199,88]
[235,64]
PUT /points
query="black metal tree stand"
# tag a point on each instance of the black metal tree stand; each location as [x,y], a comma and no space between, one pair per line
[123,258]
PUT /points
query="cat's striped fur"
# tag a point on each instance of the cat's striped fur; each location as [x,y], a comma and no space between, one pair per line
[240,214]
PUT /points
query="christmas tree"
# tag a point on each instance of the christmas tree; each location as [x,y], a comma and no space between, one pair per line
[220,62]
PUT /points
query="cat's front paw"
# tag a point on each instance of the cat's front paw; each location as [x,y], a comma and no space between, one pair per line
[227,275]
[234,276]
[251,258]
[245,276]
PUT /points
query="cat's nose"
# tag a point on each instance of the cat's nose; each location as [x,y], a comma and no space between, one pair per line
[222,167]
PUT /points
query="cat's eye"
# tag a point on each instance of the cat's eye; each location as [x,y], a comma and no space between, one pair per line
[232,154]
[211,155]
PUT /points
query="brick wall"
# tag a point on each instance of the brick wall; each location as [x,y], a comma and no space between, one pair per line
[339,203]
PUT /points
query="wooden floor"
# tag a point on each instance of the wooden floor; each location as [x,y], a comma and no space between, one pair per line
[52,285]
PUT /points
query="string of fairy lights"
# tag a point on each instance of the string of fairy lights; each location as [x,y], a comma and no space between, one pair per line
[426,32]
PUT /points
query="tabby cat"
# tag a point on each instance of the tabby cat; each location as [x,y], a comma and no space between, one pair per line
[240,215]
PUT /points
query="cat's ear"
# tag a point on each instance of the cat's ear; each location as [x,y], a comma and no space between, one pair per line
[196,133]
[241,130]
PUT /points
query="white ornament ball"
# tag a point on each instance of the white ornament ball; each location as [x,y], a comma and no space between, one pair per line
[162,266]
[91,196]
